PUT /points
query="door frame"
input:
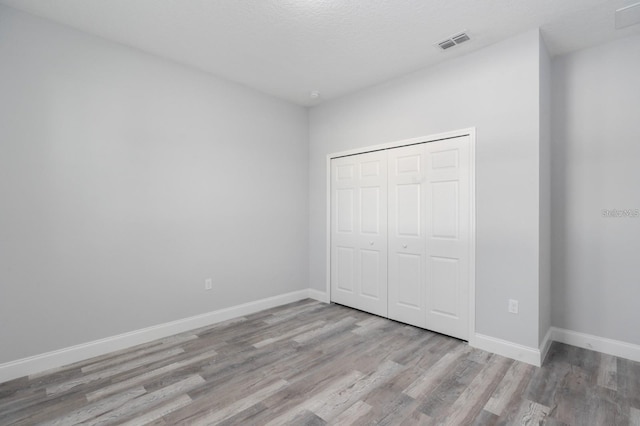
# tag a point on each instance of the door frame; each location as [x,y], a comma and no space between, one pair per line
[471,132]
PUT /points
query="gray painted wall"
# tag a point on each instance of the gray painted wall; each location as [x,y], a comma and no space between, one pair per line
[595,166]
[496,90]
[126,180]
[545,194]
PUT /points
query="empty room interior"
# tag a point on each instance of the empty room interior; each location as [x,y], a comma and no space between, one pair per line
[313,212]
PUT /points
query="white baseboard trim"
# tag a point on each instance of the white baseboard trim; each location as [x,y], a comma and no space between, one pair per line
[596,343]
[506,348]
[318,295]
[58,358]
[545,345]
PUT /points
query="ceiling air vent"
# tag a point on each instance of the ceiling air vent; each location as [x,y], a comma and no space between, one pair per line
[453,41]
[444,45]
[460,38]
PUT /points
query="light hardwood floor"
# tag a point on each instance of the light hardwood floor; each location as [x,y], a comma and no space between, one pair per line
[310,363]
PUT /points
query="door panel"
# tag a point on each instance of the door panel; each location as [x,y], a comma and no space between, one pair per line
[370,211]
[358,223]
[448,228]
[408,209]
[445,211]
[370,265]
[409,280]
[370,168]
[410,162]
[444,159]
[443,294]
[344,277]
[344,210]
[406,235]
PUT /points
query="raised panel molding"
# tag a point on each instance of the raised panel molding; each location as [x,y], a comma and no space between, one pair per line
[445,224]
[370,202]
[370,169]
[408,164]
[445,159]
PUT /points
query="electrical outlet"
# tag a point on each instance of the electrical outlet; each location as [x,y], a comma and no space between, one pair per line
[208,284]
[513,306]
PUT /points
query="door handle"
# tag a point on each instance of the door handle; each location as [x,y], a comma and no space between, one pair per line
[404,246]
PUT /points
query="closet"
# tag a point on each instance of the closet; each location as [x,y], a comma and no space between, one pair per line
[401,233]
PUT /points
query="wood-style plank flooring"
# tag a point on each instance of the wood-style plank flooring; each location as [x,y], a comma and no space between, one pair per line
[310,363]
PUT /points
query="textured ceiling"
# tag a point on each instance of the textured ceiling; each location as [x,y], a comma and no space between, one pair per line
[289,48]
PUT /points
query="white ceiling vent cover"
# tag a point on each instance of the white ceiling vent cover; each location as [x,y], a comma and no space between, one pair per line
[453,41]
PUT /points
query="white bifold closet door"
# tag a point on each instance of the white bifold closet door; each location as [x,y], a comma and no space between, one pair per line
[448,234]
[407,234]
[359,231]
[401,234]
[429,235]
